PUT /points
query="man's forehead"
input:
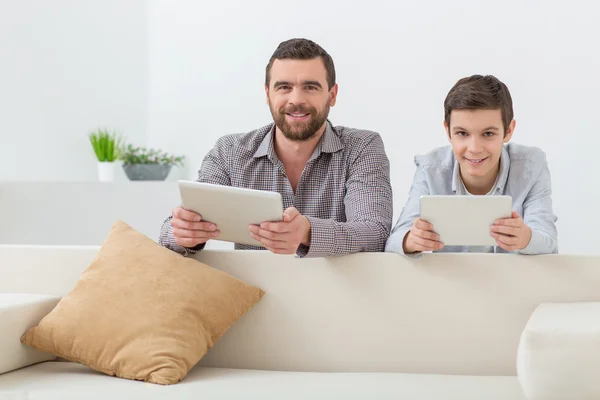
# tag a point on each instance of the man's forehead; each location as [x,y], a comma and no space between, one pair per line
[298,70]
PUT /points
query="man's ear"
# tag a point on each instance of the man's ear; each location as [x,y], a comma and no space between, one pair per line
[333,95]
[510,131]
[447,128]
[267,93]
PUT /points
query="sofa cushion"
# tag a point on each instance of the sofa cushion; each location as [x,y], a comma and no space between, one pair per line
[559,352]
[68,381]
[19,312]
[143,312]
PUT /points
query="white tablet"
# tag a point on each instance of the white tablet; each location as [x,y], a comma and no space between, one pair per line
[465,220]
[231,209]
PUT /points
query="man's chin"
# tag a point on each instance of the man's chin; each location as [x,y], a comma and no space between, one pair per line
[300,136]
[299,131]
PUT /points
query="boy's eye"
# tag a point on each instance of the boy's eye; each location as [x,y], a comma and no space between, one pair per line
[461,133]
[488,134]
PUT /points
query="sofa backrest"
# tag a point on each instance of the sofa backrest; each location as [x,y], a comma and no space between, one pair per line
[442,313]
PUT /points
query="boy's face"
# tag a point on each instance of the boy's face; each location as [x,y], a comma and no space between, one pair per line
[477,138]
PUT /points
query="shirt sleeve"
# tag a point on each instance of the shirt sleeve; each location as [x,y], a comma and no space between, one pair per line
[410,212]
[368,207]
[539,215]
[213,170]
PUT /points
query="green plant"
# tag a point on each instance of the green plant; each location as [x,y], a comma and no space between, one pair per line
[143,155]
[107,145]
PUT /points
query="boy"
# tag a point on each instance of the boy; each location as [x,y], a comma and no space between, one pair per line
[478,118]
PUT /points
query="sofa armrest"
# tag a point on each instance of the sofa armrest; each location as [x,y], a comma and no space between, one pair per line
[19,312]
[559,352]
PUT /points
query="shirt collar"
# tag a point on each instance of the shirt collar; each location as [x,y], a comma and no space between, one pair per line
[330,143]
[502,178]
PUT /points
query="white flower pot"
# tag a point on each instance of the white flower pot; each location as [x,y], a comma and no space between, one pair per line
[106,171]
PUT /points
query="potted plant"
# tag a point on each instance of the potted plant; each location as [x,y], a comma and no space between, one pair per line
[141,163]
[107,146]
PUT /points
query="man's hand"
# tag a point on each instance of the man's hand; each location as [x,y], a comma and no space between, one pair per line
[283,237]
[189,230]
[421,237]
[511,233]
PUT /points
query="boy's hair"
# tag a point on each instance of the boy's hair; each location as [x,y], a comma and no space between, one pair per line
[480,92]
[302,49]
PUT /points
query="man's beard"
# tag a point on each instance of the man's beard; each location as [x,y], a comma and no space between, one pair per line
[299,131]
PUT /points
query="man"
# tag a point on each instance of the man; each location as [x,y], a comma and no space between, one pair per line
[334,181]
[481,161]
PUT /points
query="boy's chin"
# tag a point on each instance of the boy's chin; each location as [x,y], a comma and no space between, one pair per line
[475,171]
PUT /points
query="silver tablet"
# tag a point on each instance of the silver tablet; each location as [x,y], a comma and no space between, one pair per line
[231,209]
[465,220]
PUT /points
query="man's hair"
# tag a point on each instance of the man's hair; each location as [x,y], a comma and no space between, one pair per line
[479,92]
[302,49]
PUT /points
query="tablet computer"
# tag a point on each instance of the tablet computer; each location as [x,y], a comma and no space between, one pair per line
[465,220]
[231,209]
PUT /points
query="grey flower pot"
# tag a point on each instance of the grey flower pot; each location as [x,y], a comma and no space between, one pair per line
[147,172]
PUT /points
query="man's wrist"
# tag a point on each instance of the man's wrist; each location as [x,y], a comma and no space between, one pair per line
[306,237]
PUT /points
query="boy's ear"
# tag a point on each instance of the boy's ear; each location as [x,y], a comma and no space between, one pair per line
[510,131]
[447,128]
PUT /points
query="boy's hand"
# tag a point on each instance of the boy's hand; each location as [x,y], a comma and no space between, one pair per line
[421,237]
[511,234]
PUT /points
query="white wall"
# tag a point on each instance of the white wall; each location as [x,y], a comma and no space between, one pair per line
[177,74]
[395,63]
[68,66]
[81,213]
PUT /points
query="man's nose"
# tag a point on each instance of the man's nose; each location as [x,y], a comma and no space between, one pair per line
[296,97]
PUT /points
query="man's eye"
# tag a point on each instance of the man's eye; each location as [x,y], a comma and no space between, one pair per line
[311,88]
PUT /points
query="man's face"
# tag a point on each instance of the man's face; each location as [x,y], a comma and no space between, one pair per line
[299,98]
[477,138]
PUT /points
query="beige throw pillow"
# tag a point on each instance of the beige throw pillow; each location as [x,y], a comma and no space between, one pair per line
[143,312]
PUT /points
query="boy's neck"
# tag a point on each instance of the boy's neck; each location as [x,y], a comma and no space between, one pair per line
[480,185]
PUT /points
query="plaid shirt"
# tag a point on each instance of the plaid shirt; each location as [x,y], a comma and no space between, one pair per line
[344,190]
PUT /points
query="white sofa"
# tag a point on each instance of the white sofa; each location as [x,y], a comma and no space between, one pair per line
[365,326]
